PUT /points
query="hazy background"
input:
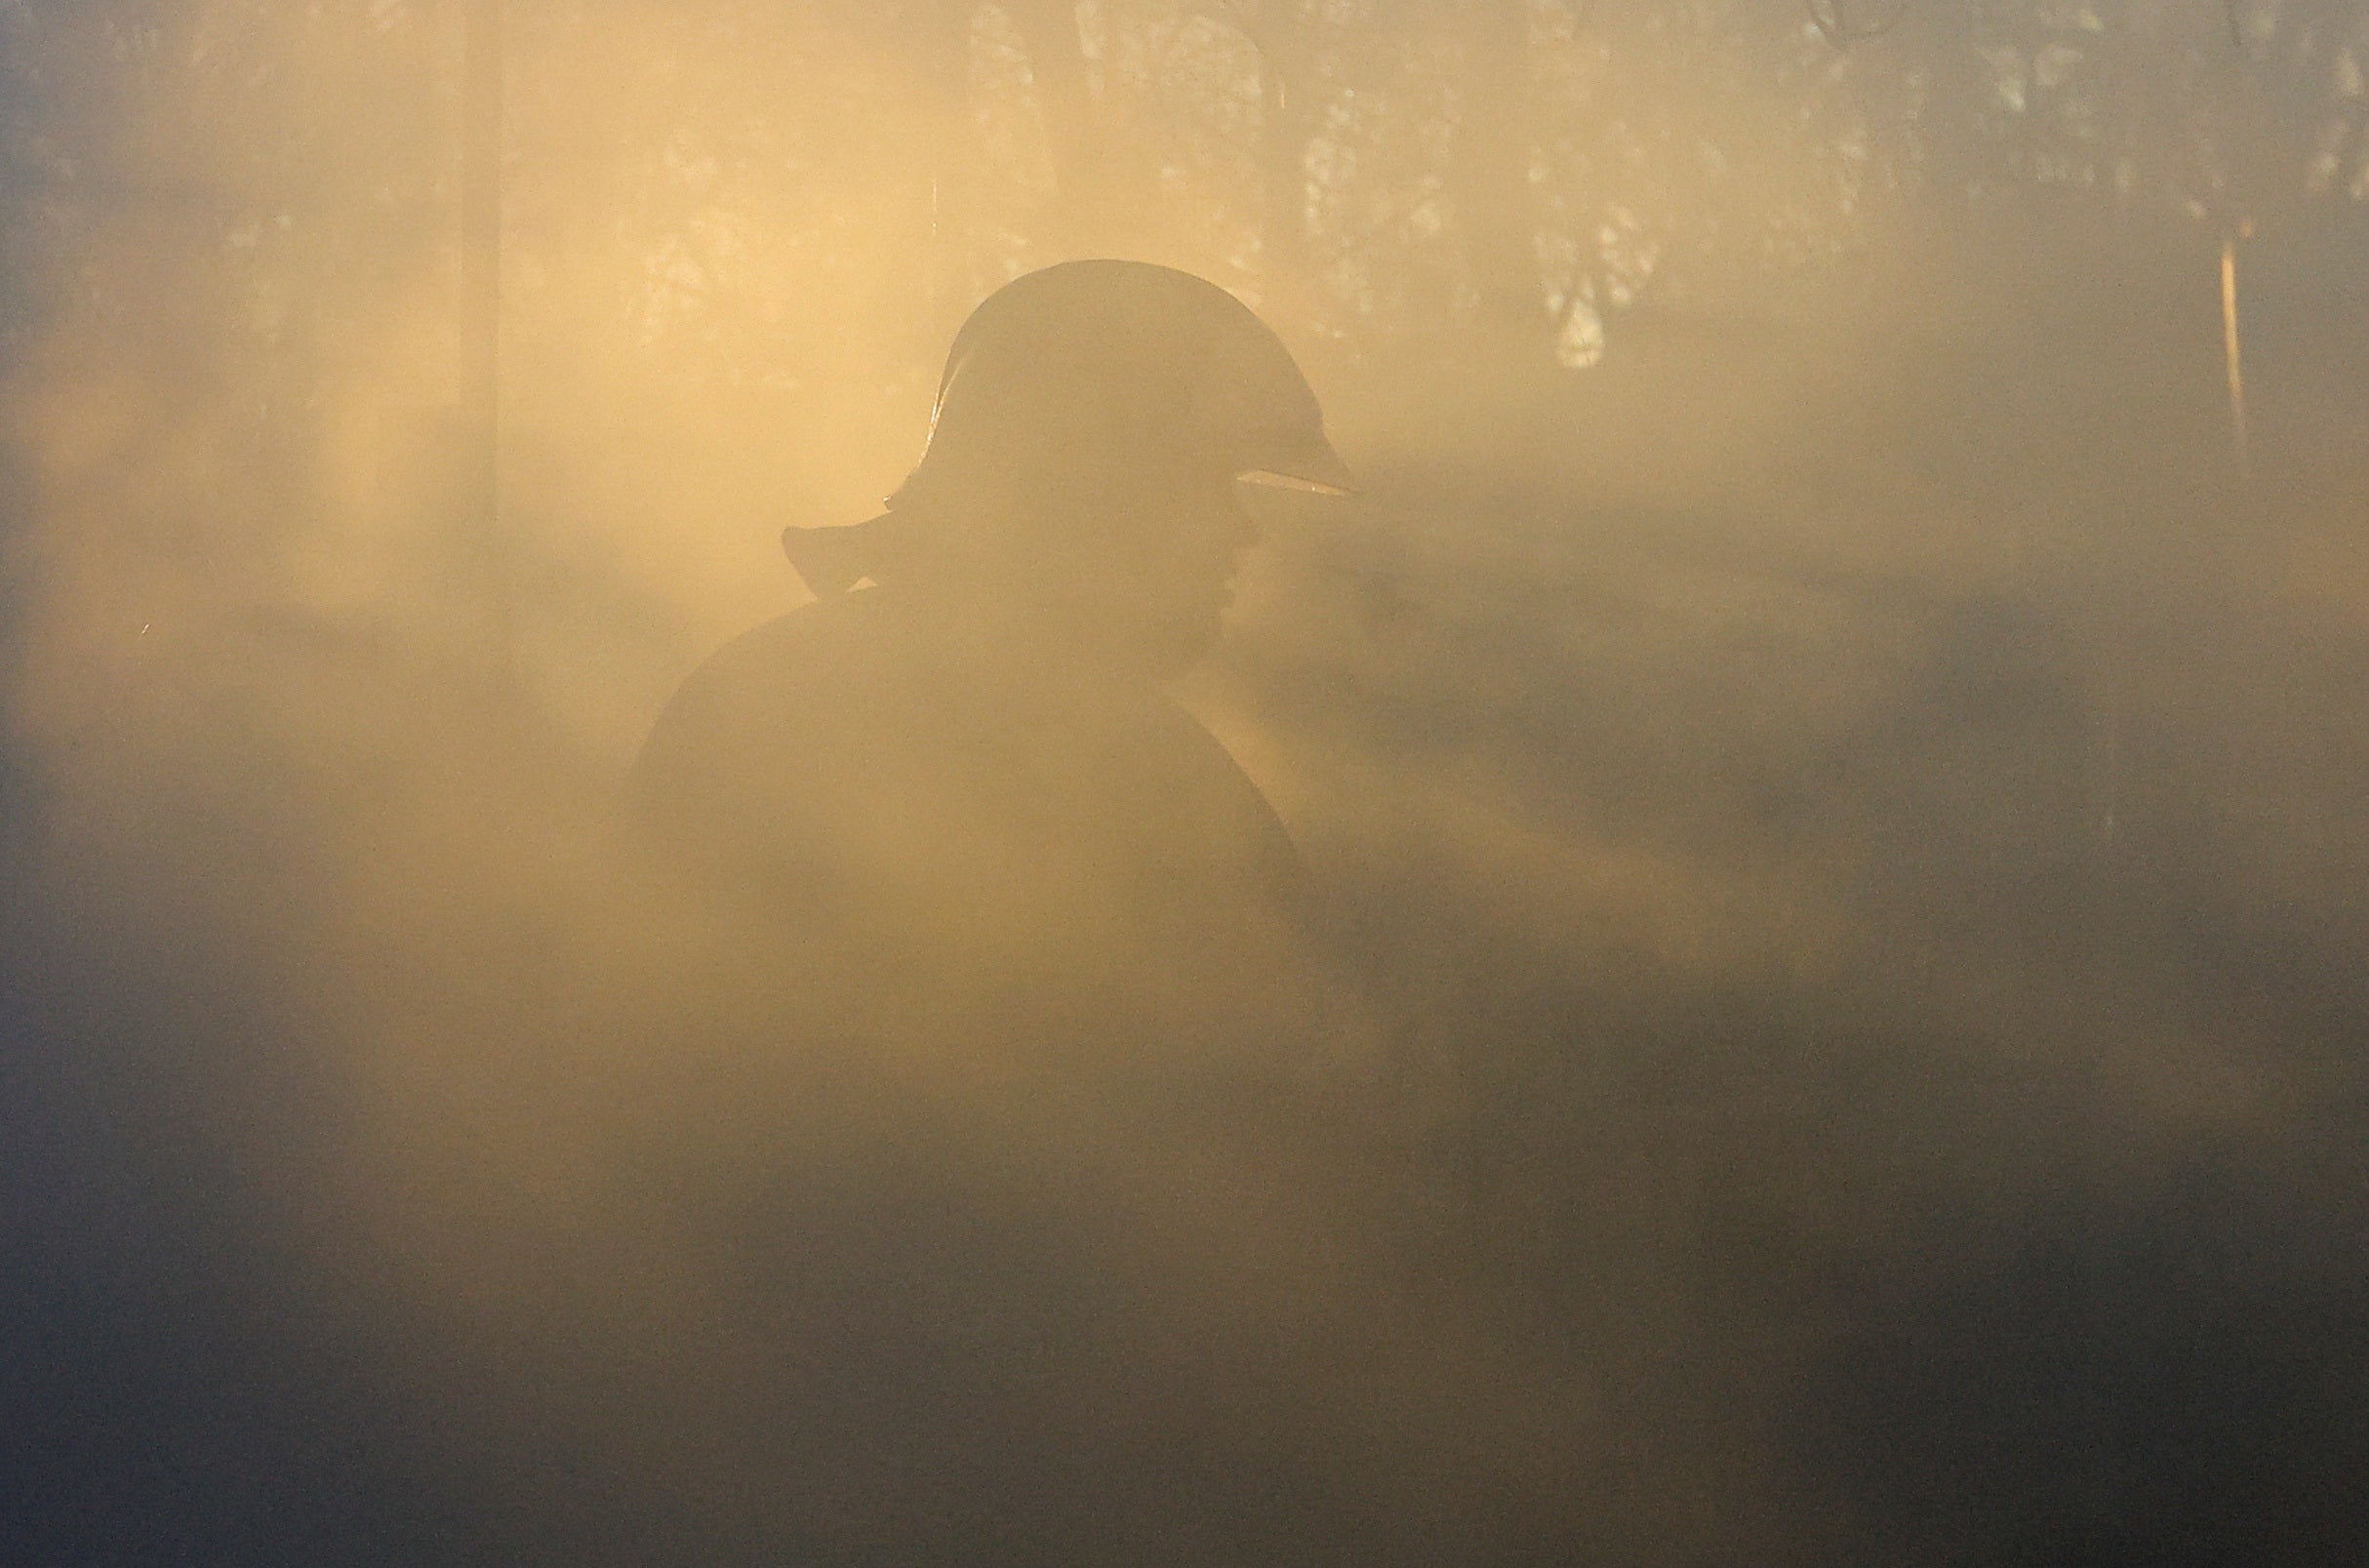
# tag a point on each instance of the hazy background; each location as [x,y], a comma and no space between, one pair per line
[1839,785]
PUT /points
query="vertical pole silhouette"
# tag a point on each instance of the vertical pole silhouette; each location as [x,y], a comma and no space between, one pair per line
[2229,348]
[480,488]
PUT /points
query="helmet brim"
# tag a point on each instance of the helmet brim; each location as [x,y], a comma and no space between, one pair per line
[1312,467]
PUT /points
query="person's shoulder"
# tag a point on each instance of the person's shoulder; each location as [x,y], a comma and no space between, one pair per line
[785,652]
[811,649]
[753,685]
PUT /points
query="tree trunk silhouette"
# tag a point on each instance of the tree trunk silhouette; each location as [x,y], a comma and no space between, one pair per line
[1951,123]
[1286,67]
[1492,167]
[938,37]
[1090,212]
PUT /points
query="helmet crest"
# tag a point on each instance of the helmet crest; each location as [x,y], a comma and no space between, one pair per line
[1068,387]
[1099,367]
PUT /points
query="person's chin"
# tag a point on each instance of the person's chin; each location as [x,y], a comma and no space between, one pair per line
[1159,649]
[1148,640]
[1185,641]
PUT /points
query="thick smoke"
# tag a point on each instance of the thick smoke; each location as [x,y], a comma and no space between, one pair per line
[1828,1026]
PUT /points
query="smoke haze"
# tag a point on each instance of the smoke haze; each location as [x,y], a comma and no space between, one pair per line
[1828,1026]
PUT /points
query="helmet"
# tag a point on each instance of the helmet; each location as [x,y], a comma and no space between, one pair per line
[1093,364]
[1081,380]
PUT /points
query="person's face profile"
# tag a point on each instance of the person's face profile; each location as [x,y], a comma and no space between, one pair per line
[1151,574]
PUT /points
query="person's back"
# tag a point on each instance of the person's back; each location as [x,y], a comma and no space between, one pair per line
[967,783]
[936,813]
[1023,1036]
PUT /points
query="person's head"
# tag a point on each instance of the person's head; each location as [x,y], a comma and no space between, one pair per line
[1091,426]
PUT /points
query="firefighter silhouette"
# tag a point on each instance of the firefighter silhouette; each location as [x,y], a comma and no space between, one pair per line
[963,752]
[955,822]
